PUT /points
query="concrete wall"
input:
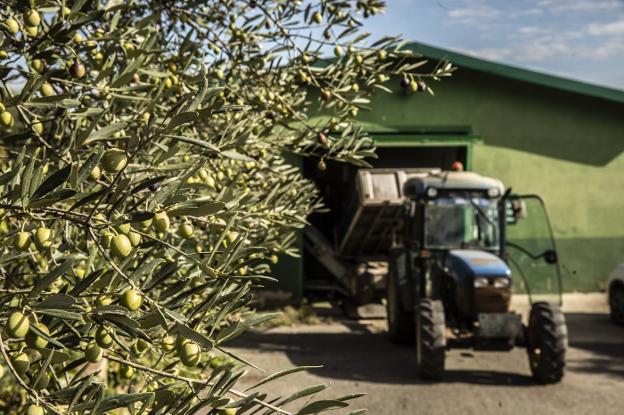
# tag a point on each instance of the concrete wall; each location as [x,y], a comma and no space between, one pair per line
[563,146]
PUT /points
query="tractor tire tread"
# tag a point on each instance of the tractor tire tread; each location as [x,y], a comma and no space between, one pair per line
[432,332]
[547,332]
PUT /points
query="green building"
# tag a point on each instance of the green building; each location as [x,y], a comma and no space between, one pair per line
[538,133]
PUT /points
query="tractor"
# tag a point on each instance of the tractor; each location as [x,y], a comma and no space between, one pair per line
[456,245]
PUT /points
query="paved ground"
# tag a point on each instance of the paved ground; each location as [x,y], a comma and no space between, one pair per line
[358,358]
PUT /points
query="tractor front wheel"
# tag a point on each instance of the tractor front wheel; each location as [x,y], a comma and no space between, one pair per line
[547,341]
[431,339]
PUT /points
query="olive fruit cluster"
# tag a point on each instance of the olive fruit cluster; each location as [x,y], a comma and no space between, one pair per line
[22,240]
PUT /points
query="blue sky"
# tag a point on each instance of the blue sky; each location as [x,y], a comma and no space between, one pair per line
[578,39]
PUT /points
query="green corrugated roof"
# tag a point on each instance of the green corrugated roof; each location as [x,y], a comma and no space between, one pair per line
[551,81]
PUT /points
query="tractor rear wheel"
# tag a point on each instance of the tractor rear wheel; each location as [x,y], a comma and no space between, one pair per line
[400,322]
[616,303]
[547,341]
[431,339]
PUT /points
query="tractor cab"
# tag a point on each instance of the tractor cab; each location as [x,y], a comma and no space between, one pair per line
[471,224]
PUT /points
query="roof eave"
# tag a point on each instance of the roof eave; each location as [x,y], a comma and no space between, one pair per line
[507,71]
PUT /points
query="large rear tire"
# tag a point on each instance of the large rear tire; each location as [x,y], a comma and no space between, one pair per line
[431,339]
[400,322]
[547,342]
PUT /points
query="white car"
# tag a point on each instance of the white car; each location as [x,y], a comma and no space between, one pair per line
[616,294]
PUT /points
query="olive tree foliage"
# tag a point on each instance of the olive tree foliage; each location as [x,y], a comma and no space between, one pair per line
[145,188]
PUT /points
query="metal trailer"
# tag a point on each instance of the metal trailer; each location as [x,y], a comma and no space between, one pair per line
[455,245]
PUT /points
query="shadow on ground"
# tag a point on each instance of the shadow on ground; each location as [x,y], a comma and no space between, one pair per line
[596,334]
[361,354]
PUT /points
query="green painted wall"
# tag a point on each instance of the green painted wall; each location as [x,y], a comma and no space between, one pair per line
[563,146]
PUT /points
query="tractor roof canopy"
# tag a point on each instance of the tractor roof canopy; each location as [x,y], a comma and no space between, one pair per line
[450,180]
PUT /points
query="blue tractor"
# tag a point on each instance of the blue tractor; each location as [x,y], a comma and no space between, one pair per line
[456,245]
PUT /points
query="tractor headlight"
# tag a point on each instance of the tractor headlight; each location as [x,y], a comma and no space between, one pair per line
[432,192]
[480,282]
[493,192]
[502,282]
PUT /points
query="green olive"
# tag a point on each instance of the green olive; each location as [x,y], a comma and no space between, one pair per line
[47,90]
[189,353]
[32,30]
[42,236]
[161,222]
[317,18]
[34,341]
[131,299]
[43,382]
[140,346]
[103,300]
[114,160]
[95,173]
[228,411]
[17,325]
[80,272]
[35,410]
[21,241]
[32,18]
[12,25]
[168,344]
[21,363]
[93,353]
[126,372]
[37,127]
[135,238]
[185,230]
[120,246]
[123,227]
[6,119]
[103,338]
[37,65]
[146,117]
[338,51]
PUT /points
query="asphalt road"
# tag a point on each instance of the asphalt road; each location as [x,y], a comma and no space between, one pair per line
[358,358]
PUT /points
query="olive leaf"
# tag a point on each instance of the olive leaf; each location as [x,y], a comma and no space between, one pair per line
[52,182]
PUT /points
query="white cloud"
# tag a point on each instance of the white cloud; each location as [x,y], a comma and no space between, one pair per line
[533,30]
[473,14]
[492,54]
[613,28]
[539,50]
[563,6]
[609,49]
